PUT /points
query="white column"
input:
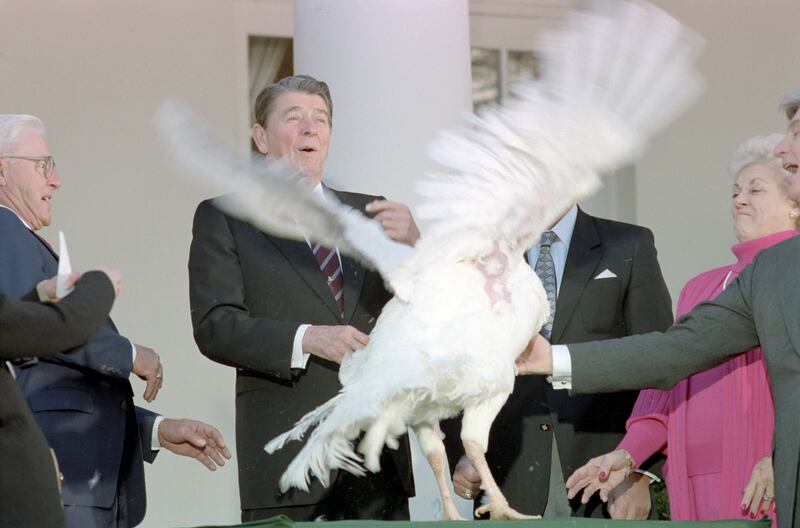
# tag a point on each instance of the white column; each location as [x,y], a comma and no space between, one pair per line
[399,70]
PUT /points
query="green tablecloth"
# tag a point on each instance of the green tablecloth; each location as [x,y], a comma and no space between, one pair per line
[280,522]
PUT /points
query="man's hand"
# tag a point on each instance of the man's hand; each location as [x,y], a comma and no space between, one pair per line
[602,473]
[760,491]
[396,220]
[194,439]
[333,342]
[466,480]
[148,367]
[115,277]
[631,499]
[537,358]
[47,288]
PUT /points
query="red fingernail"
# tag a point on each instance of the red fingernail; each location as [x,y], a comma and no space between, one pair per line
[763,512]
[602,475]
[752,515]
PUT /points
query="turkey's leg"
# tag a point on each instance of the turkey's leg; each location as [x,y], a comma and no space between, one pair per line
[475,428]
[430,442]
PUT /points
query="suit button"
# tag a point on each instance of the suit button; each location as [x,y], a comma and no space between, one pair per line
[544,427]
[123,406]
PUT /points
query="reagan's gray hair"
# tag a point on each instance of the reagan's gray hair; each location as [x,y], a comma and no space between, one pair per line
[296,83]
[759,149]
[11,126]
[790,103]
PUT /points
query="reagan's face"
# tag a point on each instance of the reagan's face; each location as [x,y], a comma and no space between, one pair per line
[25,185]
[789,151]
[299,130]
[760,204]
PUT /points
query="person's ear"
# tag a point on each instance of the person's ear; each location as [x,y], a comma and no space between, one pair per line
[260,138]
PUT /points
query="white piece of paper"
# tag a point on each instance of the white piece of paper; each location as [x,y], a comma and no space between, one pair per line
[64,267]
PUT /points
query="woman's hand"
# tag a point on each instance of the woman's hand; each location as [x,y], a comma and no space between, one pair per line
[602,473]
[760,491]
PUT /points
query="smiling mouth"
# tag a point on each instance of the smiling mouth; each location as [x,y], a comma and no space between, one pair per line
[308,150]
[791,167]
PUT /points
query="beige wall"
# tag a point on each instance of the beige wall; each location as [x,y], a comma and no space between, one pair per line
[95,72]
[751,60]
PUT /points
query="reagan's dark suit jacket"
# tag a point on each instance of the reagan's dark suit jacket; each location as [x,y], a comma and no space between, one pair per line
[29,493]
[82,401]
[761,308]
[250,292]
[587,308]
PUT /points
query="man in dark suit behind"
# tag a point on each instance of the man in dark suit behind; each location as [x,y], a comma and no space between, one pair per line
[29,494]
[82,400]
[263,305]
[611,287]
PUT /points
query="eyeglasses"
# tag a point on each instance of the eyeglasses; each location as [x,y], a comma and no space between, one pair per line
[46,164]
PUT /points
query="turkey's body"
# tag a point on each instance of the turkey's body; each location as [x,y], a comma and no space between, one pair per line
[450,347]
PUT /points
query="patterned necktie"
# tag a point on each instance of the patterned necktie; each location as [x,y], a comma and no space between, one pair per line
[328,262]
[546,271]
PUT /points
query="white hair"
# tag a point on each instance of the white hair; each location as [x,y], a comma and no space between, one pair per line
[758,149]
[11,126]
[790,103]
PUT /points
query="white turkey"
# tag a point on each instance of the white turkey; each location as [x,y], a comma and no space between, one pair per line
[465,302]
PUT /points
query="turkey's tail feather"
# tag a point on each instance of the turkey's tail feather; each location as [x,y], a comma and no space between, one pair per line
[330,446]
[327,448]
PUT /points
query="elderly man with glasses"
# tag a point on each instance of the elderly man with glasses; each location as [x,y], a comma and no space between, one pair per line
[83,401]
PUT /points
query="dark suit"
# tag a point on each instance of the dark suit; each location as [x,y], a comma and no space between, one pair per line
[761,308]
[29,494]
[250,292]
[587,308]
[82,401]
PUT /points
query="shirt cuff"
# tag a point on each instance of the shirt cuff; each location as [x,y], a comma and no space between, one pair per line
[562,367]
[155,445]
[299,358]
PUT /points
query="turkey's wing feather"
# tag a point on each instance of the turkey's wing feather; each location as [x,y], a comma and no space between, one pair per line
[610,80]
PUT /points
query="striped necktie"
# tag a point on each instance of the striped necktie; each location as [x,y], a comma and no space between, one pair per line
[329,265]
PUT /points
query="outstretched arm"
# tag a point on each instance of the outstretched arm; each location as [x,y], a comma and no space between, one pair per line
[44,329]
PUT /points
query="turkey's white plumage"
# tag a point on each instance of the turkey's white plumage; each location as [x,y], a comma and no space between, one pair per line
[466,303]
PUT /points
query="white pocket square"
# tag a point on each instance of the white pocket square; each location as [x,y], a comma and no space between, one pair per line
[606,274]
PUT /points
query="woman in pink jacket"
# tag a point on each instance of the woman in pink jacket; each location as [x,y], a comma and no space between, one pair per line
[715,427]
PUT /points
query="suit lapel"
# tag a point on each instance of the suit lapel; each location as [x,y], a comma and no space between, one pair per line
[299,256]
[353,271]
[790,300]
[584,253]
[353,281]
